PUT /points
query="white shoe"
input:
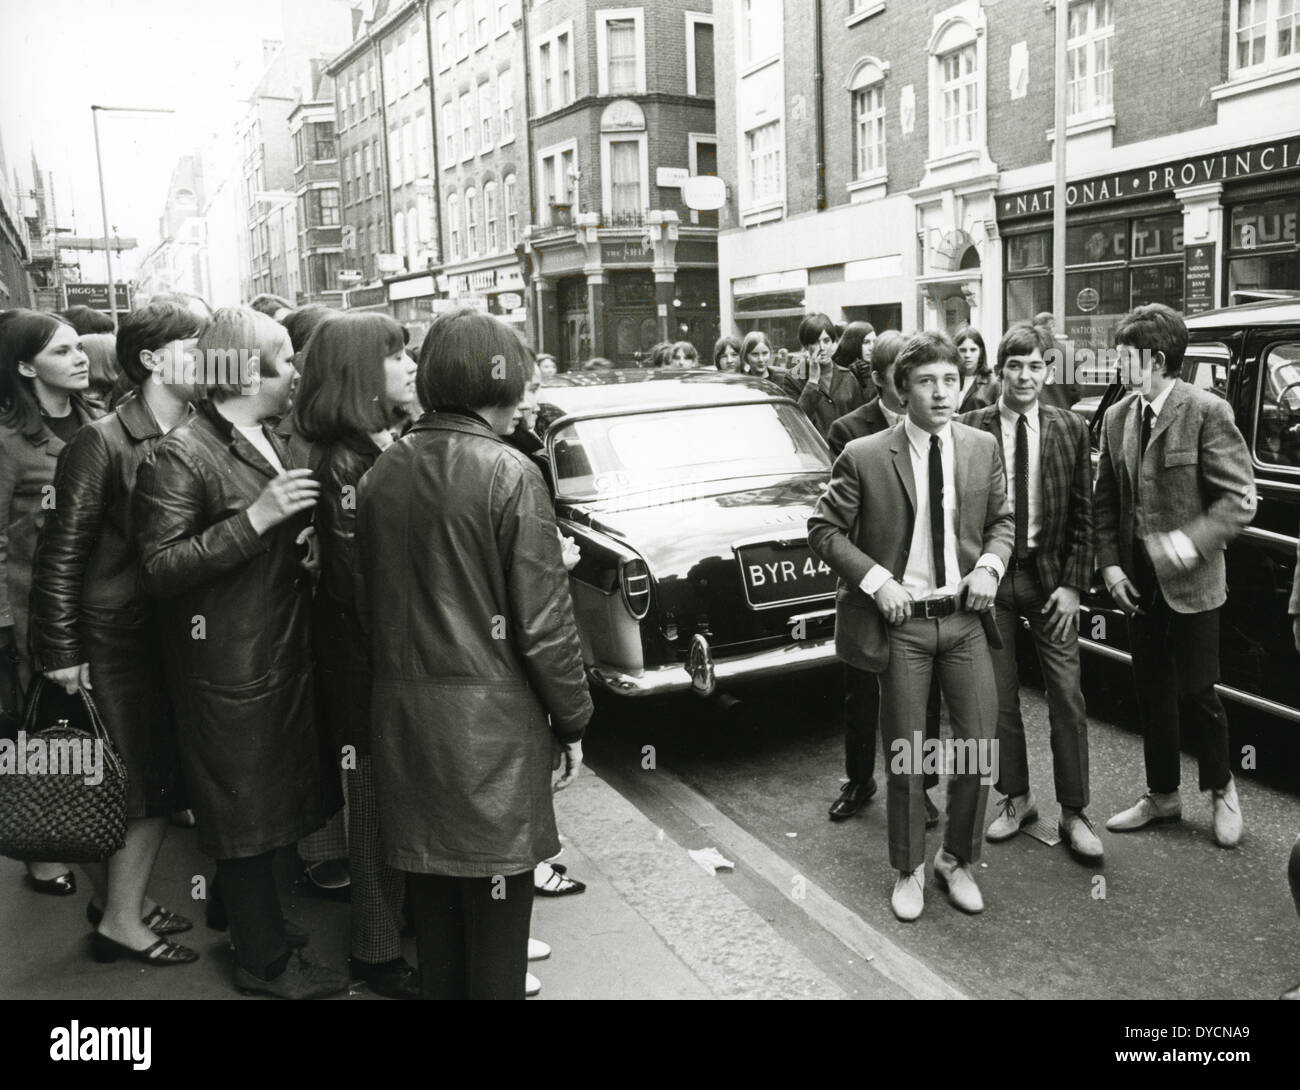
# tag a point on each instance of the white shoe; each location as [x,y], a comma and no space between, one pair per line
[954,875]
[1079,835]
[1150,808]
[1227,816]
[1017,812]
[909,895]
[538,950]
[531,985]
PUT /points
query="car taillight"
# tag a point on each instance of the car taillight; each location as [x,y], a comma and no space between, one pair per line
[634,580]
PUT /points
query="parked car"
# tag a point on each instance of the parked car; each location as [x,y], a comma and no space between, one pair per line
[688,494]
[1249,355]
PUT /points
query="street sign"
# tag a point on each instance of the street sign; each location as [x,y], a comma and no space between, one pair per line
[390,263]
[349,276]
[671,177]
[1198,278]
[95,296]
[704,193]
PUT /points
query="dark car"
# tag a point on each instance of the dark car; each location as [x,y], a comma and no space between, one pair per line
[1249,355]
[688,494]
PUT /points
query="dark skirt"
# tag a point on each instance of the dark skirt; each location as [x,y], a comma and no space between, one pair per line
[130,691]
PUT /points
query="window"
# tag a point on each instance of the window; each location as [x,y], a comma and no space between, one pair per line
[508,187]
[404,66]
[408,149]
[699,55]
[555,82]
[505,97]
[869,131]
[620,52]
[492,217]
[466,126]
[443,25]
[399,233]
[390,76]
[472,239]
[1088,61]
[423,151]
[356,174]
[448,134]
[453,226]
[557,167]
[546,91]
[505,18]
[395,157]
[460,16]
[347,189]
[352,99]
[412,239]
[959,103]
[424,215]
[328,207]
[1265,33]
[482,22]
[1277,434]
[760,30]
[367,166]
[763,156]
[364,95]
[485,111]
[374,89]
[625,198]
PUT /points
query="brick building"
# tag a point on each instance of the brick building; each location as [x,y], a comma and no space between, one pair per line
[620,101]
[934,122]
[316,188]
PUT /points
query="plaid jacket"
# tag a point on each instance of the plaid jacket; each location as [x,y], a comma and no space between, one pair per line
[1065,542]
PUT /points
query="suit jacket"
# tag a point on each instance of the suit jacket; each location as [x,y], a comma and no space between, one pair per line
[863,421]
[1196,477]
[866,517]
[823,408]
[1065,551]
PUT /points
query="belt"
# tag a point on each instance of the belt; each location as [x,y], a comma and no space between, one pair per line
[932,609]
[1021,563]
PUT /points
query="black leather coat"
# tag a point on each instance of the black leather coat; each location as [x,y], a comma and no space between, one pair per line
[234,612]
[473,645]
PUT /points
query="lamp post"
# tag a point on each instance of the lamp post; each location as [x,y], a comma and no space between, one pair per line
[95,111]
[1062,14]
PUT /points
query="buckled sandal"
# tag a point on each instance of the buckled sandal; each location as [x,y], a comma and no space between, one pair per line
[160,921]
[558,884]
[161,952]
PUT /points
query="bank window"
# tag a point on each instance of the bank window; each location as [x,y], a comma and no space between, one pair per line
[763,156]
[1088,62]
[869,130]
[1262,247]
[1029,275]
[959,101]
[1277,428]
[1265,34]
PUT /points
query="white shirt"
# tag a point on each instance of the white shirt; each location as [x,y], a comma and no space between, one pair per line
[257,437]
[1158,403]
[919,576]
[1010,419]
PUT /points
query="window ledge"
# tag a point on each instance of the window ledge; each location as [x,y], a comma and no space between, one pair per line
[952,158]
[758,66]
[1246,83]
[861,16]
[868,188]
[506,142]
[1084,125]
[762,213]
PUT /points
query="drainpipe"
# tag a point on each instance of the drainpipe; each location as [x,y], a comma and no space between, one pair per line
[819,106]
[433,131]
[383,147]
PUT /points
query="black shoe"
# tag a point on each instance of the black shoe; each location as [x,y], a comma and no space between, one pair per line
[394,979]
[301,979]
[160,921]
[853,797]
[65,885]
[161,952]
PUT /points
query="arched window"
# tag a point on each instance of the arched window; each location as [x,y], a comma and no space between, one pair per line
[958,81]
[508,187]
[472,240]
[866,87]
[453,226]
[491,217]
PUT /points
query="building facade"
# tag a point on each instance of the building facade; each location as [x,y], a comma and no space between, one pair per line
[15,243]
[180,260]
[316,186]
[932,126]
[621,112]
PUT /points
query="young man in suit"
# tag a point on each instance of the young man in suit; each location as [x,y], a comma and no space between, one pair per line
[1174,487]
[1047,457]
[861,687]
[916,525]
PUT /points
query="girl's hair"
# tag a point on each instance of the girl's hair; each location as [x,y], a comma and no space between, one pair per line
[342,392]
[302,322]
[101,350]
[661,354]
[723,344]
[24,335]
[227,346]
[970,333]
[813,326]
[687,349]
[849,350]
[470,360]
[752,340]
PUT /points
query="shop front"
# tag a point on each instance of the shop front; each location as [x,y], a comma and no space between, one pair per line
[412,301]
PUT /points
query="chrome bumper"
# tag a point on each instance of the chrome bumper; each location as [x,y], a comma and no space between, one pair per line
[704,673]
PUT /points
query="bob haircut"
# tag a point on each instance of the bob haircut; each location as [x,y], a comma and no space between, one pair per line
[1155,328]
[970,333]
[470,361]
[234,337]
[687,349]
[84,320]
[101,351]
[24,335]
[148,329]
[342,392]
[813,326]
[723,344]
[268,304]
[1021,340]
[187,299]
[885,353]
[752,340]
[303,322]
[849,350]
[920,349]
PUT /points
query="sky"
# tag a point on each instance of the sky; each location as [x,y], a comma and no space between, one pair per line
[57,57]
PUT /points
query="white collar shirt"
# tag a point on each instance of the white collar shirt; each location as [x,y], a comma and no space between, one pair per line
[919,575]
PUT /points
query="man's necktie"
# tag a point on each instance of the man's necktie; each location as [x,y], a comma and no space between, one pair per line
[1148,421]
[1022,487]
[936,511]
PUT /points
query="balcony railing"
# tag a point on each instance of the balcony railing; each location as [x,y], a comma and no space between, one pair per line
[624,219]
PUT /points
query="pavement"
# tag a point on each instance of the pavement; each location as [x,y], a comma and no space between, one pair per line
[652,924]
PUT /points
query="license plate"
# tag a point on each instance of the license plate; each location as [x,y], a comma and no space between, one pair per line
[774,574]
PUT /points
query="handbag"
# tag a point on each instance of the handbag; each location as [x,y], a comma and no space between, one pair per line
[62,789]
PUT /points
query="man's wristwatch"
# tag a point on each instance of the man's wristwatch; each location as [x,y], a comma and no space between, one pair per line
[992,571]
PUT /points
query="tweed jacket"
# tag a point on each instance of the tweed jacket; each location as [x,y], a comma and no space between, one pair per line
[1065,546]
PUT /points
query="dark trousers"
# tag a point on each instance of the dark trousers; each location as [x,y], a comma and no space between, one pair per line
[1175,666]
[862,719]
[955,649]
[471,934]
[252,900]
[1020,594]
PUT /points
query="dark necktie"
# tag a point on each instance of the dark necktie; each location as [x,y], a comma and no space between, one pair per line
[1022,487]
[1148,421]
[936,510]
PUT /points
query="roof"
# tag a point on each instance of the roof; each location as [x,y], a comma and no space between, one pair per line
[1267,312]
[595,392]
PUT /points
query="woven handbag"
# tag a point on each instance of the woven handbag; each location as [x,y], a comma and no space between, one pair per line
[62,790]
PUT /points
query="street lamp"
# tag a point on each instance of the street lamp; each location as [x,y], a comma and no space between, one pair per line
[95,111]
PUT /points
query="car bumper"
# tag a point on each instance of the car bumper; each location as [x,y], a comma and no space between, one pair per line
[806,655]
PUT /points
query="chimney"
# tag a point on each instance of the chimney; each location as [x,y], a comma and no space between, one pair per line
[357,16]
